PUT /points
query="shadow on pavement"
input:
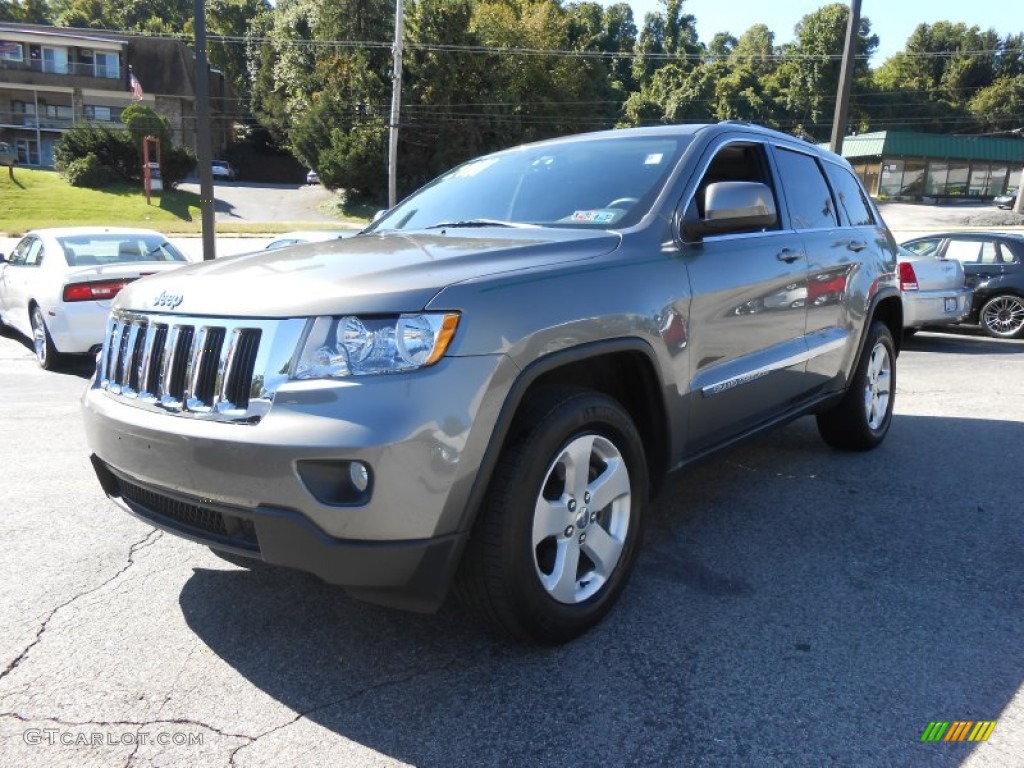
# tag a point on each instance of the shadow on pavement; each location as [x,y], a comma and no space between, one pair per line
[792,606]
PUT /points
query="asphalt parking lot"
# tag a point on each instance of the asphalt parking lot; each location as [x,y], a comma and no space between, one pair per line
[792,606]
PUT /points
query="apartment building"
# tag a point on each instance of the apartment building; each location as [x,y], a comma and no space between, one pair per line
[52,77]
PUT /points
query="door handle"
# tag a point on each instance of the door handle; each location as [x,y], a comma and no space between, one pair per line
[787,256]
[856,245]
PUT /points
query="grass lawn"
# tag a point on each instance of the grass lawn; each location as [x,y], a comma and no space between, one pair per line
[38,199]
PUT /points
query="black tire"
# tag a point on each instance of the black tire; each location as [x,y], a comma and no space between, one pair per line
[511,574]
[46,353]
[1003,317]
[862,418]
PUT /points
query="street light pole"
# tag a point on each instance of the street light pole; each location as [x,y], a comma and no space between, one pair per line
[203,138]
[396,100]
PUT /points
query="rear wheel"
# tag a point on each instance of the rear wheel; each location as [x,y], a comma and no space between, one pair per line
[862,418]
[560,525]
[46,352]
[1003,317]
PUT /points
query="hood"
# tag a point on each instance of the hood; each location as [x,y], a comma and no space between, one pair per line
[384,272]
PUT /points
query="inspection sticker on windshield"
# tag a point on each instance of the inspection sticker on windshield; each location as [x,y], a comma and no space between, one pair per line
[594,217]
[654,158]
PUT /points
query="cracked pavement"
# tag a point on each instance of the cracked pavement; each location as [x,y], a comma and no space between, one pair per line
[792,606]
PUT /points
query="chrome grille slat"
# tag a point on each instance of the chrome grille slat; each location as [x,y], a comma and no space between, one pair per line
[195,366]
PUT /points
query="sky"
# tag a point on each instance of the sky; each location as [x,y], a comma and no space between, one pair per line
[892,20]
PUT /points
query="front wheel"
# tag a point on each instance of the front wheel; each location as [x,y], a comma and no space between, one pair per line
[560,525]
[861,420]
[1003,317]
[42,342]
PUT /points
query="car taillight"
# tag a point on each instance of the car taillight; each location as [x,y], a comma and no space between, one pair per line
[98,291]
[908,278]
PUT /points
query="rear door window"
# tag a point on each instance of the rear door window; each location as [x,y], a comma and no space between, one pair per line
[805,188]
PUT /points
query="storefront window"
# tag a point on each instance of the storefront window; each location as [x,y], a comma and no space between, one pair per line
[981,177]
[956,179]
[1013,182]
[913,178]
[891,182]
[935,181]
[996,181]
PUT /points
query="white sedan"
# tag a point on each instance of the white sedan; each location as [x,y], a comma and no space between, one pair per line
[934,290]
[56,286]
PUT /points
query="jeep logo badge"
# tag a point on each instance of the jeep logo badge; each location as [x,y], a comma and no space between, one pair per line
[169,300]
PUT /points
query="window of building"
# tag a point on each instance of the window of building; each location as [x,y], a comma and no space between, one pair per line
[28,152]
[11,51]
[957,177]
[981,174]
[891,183]
[107,65]
[1013,178]
[100,114]
[913,178]
[935,182]
[996,181]
[59,112]
[55,60]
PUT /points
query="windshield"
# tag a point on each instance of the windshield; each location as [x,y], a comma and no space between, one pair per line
[591,183]
[101,249]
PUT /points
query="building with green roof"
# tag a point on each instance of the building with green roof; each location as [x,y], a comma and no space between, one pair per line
[902,164]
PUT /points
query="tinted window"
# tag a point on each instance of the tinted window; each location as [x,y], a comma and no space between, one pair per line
[850,197]
[28,253]
[810,202]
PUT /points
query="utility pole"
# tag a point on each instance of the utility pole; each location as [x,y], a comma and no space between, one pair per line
[203,141]
[396,101]
[845,79]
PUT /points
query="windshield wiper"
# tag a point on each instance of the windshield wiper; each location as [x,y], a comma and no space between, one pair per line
[468,223]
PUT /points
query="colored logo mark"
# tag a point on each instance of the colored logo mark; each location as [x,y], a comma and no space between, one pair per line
[958,730]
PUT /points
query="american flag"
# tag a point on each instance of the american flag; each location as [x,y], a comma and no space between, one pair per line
[136,86]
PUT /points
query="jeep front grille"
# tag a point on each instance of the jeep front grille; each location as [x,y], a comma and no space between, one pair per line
[202,367]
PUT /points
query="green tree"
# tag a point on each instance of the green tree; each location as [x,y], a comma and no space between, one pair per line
[808,76]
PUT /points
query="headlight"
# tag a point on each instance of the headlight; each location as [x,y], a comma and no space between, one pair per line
[338,347]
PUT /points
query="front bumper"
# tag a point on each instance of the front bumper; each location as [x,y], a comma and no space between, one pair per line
[922,308]
[249,489]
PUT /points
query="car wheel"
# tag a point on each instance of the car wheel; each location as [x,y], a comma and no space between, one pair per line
[861,419]
[46,352]
[1003,317]
[560,525]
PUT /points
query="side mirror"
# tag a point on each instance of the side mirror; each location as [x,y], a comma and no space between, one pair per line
[3,258]
[733,206]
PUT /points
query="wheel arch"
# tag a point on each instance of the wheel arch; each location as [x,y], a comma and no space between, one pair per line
[888,308]
[624,369]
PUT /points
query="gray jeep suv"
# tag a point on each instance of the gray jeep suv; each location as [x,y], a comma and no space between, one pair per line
[486,386]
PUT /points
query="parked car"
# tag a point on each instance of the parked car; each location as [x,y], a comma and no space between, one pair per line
[994,265]
[57,285]
[222,169]
[934,290]
[312,177]
[307,236]
[485,385]
[1005,201]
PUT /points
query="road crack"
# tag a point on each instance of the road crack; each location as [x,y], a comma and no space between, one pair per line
[145,542]
[337,701]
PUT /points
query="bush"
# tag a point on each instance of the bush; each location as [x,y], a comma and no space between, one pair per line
[176,163]
[88,172]
[111,148]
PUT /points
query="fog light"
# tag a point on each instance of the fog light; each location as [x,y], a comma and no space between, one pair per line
[359,475]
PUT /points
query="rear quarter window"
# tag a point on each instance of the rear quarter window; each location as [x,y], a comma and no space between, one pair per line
[850,198]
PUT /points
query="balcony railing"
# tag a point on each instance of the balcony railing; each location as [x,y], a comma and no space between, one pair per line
[62,68]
